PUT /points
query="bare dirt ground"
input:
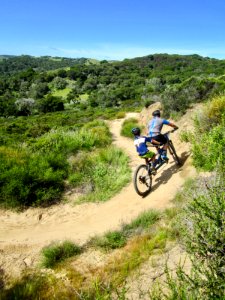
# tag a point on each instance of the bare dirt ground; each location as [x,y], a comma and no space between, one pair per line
[23,235]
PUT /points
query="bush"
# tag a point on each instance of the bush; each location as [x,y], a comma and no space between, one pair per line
[57,252]
[50,104]
[29,287]
[202,227]
[68,141]
[106,172]
[144,220]
[208,140]
[127,126]
[30,179]
[208,148]
[120,115]
[215,110]
[111,240]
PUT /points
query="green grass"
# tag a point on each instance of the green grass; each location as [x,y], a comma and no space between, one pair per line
[127,125]
[110,240]
[58,252]
[119,238]
[106,172]
[61,93]
[143,221]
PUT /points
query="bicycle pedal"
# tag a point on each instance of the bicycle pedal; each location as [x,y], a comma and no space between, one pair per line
[153,171]
[166,160]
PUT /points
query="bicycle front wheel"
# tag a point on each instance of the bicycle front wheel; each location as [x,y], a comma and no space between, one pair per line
[174,153]
[142,180]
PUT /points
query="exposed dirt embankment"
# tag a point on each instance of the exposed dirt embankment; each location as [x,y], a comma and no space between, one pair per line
[22,235]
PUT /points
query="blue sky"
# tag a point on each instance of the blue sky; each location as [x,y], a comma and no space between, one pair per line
[112,29]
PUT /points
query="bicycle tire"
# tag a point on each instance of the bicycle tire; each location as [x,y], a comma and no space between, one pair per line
[174,153]
[142,180]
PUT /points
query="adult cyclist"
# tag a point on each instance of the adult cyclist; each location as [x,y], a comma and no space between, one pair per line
[154,129]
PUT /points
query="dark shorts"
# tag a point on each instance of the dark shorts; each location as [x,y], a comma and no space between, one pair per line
[160,138]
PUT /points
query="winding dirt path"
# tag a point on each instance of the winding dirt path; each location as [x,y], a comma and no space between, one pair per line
[23,235]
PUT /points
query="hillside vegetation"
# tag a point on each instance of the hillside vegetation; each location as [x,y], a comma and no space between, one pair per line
[196,222]
[28,87]
[50,144]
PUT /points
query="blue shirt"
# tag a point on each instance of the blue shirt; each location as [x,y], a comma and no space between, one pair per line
[140,144]
[155,126]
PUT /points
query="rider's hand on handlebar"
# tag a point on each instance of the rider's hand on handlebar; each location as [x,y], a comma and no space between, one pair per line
[175,128]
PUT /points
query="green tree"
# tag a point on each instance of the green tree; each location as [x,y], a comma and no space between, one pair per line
[37,91]
[50,104]
[59,83]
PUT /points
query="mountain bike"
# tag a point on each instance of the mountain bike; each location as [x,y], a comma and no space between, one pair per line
[143,174]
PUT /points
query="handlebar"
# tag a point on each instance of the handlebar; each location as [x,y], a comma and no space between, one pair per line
[171,131]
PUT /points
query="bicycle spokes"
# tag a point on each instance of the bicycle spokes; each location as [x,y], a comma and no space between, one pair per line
[142,180]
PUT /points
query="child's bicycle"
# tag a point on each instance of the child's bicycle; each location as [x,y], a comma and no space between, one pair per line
[143,174]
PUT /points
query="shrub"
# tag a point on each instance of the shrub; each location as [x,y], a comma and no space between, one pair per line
[202,227]
[58,252]
[111,240]
[68,141]
[30,179]
[208,148]
[29,287]
[120,115]
[144,220]
[215,110]
[127,125]
[50,104]
[107,171]
[208,140]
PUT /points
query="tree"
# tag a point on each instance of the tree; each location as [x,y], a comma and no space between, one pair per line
[59,83]
[50,104]
[38,91]
[25,106]
[7,105]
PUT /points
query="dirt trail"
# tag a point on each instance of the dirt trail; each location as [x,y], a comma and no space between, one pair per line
[23,235]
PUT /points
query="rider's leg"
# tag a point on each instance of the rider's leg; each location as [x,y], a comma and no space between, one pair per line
[164,152]
[151,156]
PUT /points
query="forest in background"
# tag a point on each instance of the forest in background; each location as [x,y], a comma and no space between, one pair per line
[30,86]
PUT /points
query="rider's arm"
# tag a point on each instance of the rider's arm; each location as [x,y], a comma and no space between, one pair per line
[151,140]
[155,142]
[173,125]
[166,122]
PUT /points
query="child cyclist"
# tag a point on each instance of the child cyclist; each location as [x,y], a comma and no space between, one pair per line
[140,143]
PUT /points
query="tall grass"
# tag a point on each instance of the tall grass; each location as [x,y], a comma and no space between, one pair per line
[202,230]
[28,179]
[208,141]
[106,171]
[58,252]
[35,174]
[67,142]
[119,238]
[127,125]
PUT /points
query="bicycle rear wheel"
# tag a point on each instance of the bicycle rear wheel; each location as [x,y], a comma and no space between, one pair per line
[174,153]
[142,180]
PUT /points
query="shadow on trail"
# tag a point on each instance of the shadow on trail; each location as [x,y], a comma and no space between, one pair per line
[164,174]
[184,156]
